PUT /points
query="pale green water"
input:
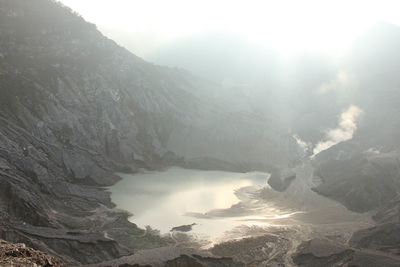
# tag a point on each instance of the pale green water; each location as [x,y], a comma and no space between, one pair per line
[180,196]
[219,202]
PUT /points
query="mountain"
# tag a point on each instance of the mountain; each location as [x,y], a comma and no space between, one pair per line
[370,158]
[363,173]
[75,107]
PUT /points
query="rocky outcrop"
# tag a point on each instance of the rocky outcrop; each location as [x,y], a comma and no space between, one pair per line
[263,250]
[320,252]
[183,228]
[365,181]
[323,252]
[383,237]
[199,261]
[170,256]
[361,181]
[19,255]
[280,180]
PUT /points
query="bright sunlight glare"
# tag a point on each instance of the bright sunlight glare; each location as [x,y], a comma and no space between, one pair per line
[288,26]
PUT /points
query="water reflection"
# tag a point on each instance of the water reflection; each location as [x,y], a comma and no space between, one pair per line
[212,199]
[218,202]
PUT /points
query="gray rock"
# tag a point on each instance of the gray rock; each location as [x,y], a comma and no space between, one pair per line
[280,180]
[74,108]
[199,261]
[183,228]
[362,183]
[323,252]
[383,237]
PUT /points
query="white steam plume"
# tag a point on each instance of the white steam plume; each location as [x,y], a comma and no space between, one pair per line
[345,130]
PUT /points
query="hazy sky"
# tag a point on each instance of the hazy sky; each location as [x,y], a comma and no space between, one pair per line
[285,25]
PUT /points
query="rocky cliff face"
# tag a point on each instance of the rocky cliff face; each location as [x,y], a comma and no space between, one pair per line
[365,181]
[75,107]
[361,180]
[364,173]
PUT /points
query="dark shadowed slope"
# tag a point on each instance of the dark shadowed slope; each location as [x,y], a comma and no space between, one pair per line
[75,107]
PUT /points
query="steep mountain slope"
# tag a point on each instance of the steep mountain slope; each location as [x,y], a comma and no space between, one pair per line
[75,107]
[364,173]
